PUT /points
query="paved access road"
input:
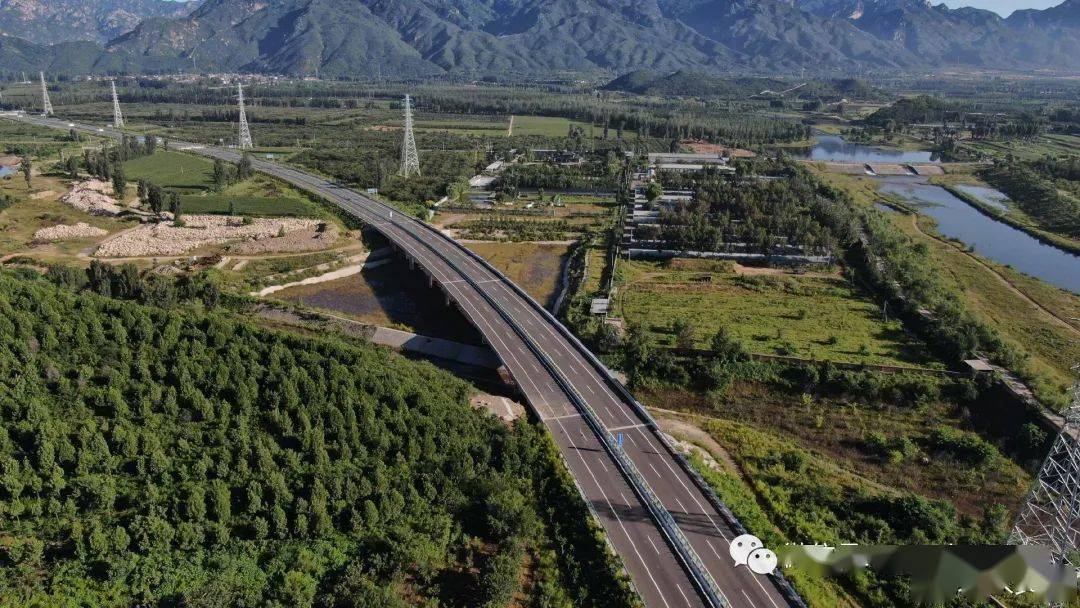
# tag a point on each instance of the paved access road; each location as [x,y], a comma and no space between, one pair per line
[551,368]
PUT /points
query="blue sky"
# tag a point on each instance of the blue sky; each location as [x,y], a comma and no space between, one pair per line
[1002,7]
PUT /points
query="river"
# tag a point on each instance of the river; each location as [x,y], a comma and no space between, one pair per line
[955,218]
[988,237]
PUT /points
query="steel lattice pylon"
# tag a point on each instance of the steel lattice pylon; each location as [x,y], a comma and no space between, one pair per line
[45,103]
[118,118]
[410,159]
[245,133]
[1051,514]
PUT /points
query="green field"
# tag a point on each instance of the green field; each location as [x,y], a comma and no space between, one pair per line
[192,176]
[256,196]
[172,170]
[545,125]
[818,316]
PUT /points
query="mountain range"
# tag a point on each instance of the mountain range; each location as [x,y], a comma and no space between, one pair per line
[52,21]
[340,38]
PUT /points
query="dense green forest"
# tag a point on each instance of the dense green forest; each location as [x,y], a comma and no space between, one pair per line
[182,458]
[1047,189]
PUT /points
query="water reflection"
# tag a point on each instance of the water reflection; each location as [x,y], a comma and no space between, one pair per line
[834,148]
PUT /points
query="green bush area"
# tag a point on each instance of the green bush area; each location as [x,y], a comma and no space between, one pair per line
[165,457]
[811,500]
[1047,190]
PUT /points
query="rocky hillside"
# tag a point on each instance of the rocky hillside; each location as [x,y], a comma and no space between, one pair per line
[53,21]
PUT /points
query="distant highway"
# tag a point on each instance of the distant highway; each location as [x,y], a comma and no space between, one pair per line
[670,531]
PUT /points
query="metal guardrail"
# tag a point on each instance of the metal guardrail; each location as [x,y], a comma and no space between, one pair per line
[678,541]
[781,582]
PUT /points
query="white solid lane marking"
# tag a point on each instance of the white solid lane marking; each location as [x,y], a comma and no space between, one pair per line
[655,548]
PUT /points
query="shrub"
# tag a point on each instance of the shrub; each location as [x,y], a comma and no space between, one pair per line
[962,445]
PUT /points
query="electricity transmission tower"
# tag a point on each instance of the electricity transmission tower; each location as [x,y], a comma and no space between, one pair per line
[118,118]
[1051,514]
[46,104]
[410,160]
[245,133]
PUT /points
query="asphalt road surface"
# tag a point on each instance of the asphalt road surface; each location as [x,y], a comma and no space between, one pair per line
[548,366]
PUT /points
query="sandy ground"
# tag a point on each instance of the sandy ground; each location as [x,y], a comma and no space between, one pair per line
[502,407]
[704,147]
[340,273]
[751,271]
[691,439]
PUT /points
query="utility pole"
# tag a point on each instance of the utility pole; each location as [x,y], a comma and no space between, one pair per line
[1051,514]
[118,118]
[46,104]
[245,133]
[410,159]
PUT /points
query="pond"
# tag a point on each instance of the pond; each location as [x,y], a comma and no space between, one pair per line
[833,148]
[988,237]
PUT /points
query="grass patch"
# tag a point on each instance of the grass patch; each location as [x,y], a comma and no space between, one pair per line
[41,208]
[1052,347]
[816,316]
[535,267]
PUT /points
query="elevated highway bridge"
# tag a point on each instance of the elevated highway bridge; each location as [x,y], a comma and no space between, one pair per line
[669,529]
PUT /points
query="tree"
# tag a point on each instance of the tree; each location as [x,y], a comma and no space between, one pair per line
[71,165]
[221,174]
[27,169]
[684,333]
[725,348]
[155,196]
[653,191]
[174,205]
[119,181]
[243,167]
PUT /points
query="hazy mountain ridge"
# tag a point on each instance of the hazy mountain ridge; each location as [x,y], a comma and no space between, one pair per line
[58,21]
[420,37]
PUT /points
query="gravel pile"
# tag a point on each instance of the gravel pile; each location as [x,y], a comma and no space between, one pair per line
[198,231]
[308,239]
[63,232]
[92,197]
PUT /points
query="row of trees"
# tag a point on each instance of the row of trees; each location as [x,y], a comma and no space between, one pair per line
[176,457]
